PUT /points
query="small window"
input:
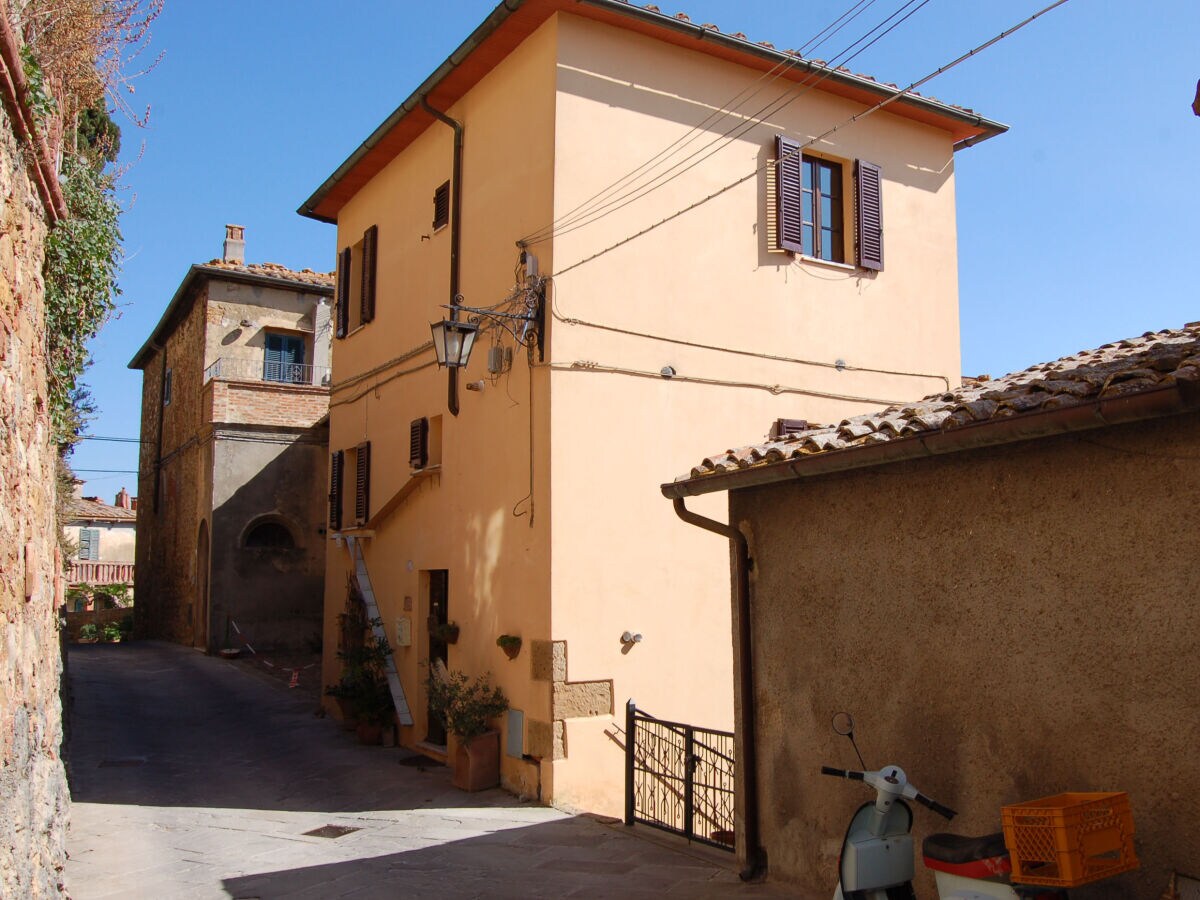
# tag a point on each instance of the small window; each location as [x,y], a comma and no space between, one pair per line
[89,543]
[270,535]
[283,359]
[167,388]
[356,270]
[821,231]
[441,206]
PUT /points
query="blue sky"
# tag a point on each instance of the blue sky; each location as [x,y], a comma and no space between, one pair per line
[1072,227]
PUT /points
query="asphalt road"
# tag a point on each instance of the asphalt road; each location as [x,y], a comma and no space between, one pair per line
[193,776]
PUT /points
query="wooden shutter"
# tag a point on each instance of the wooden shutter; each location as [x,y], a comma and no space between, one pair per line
[789,185]
[441,206]
[418,443]
[89,543]
[337,465]
[362,482]
[342,301]
[370,252]
[868,184]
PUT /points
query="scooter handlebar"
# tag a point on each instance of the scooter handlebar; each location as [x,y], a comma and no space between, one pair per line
[842,773]
[943,811]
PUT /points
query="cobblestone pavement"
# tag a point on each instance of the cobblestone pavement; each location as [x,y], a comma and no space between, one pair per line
[192,776]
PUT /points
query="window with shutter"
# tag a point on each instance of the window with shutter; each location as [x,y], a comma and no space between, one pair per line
[441,206]
[418,443]
[362,483]
[343,293]
[337,462]
[167,387]
[89,543]
[370,253]
[868,182]
[788,193]
[283,358]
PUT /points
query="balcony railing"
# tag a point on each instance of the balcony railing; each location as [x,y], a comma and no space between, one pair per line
[261,370]
[90,571]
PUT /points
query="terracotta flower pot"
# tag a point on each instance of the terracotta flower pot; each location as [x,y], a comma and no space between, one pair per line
[477,762]
[369,733]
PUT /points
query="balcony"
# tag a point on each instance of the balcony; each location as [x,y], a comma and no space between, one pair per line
[272,372]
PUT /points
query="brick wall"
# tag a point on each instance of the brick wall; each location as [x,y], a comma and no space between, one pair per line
[33,786]
[266,403]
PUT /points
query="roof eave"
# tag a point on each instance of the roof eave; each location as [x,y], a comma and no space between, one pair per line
[986,128]
[1180,397]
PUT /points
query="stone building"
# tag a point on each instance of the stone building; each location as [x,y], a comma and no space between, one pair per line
[33,785]
[231,478]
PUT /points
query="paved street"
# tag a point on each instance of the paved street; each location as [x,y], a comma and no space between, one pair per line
[192,776]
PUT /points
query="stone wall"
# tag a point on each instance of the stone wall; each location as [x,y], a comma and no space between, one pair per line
[33,786]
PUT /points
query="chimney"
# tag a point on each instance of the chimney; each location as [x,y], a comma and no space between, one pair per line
[133,503]
[235,244]
[123,499]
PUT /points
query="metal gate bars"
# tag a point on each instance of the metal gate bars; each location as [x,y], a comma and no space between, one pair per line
[679,778]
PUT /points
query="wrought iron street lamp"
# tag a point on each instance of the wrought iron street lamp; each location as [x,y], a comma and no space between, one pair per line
[452,342]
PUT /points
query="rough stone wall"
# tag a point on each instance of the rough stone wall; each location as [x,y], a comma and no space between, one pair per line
[171,507]
[1005,624]
[33,786]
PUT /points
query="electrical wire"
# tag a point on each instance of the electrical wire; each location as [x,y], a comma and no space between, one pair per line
[728,108]
[855,118]
[772,108]
[118,440]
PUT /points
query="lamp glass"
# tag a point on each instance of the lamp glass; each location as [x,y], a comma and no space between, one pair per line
[452,342]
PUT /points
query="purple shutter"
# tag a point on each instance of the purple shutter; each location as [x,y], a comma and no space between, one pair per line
[788,193]
[868,183]
[342,301]
[362,486]
[337,462]
[370,253]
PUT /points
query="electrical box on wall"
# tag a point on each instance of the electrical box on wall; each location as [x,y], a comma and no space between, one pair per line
[499,359]
[404,632]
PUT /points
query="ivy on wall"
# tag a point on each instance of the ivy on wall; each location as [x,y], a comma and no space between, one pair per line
[83,255]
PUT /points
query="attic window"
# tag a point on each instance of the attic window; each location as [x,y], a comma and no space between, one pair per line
[441,206]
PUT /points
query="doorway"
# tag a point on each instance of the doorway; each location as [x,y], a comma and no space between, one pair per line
[200,604]
[439,651]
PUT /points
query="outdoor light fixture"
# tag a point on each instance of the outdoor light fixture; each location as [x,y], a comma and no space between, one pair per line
[452,342]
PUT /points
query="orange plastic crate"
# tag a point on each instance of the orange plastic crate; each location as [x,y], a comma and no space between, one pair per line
[1069,839]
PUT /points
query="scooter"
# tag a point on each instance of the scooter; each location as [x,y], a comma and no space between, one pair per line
[876,861]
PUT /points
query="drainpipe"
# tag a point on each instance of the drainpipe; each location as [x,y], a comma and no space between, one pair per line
[756,858]
[455,233]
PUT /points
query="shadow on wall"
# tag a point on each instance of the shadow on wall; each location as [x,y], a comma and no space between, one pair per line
[268,539]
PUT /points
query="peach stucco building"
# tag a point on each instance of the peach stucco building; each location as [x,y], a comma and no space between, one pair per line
[520,495]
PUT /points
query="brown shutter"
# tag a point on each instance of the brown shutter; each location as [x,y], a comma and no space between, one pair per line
[418,443]
[789,185]
[441,206]
[370,254]
[342,301]
[337,464]
[868,183]
[362,486]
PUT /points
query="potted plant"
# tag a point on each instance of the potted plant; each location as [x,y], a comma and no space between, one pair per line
[465,707]
[88,634]
[446,632]
[112,632]
[510,644]
[362,693]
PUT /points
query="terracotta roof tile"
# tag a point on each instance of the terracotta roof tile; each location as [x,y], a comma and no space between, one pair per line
[273,270]
[1155,359]
[89,509]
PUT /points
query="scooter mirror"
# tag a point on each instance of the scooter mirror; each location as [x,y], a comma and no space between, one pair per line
[843,723]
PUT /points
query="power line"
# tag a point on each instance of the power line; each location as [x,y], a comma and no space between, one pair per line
[732,104]
[878,106]
[775,106]
[116,440]
[108,471]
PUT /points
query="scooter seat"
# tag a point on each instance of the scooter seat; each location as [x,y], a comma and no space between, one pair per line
[972,857]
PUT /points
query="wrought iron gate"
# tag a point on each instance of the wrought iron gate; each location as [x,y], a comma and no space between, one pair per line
[679,778]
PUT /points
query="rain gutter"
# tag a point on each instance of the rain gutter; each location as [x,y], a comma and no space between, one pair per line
[455,235]
[1182,396]
[756,859]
